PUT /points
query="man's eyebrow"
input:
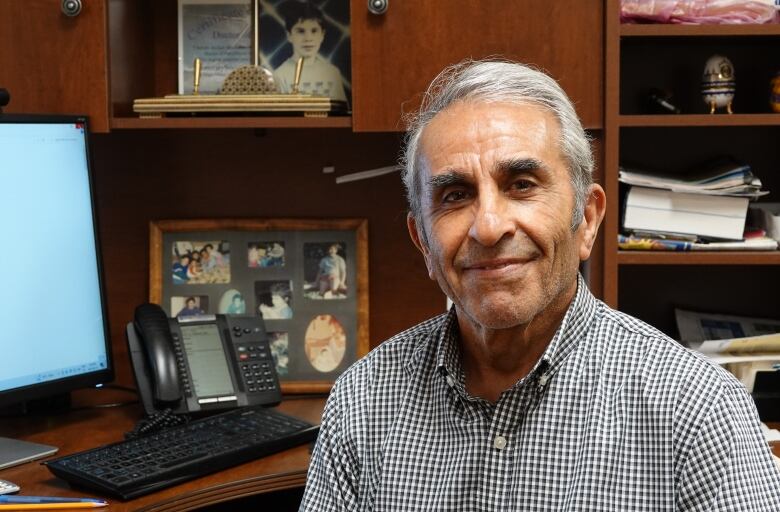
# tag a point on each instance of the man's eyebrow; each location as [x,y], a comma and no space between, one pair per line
[515,166]
[447,179]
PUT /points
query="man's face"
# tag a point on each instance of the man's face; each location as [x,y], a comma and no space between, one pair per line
[497,204]
[306,37]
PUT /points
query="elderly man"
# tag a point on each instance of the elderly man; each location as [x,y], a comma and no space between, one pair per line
[530,394]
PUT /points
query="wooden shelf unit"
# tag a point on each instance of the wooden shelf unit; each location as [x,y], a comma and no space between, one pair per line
[699,258]
[663,30]
[649,284]
[703,120]
[185,122]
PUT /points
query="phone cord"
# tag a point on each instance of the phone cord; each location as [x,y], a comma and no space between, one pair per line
[156,422]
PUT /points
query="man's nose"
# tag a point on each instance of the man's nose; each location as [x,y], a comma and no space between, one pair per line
[492,220]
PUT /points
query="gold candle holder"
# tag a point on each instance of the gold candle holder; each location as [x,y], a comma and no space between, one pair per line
[196,77]
[298,71]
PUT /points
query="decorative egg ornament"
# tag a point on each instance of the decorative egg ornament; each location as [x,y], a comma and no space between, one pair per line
[717,83]
[774,97]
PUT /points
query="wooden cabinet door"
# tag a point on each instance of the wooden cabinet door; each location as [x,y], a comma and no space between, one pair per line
[395,55]
[52,63]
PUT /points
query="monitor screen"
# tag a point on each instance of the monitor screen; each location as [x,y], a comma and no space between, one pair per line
[52,311]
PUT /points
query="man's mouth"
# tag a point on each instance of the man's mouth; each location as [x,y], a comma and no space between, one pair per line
[497,264]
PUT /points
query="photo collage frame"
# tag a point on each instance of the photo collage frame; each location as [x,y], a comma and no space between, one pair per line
[308,279]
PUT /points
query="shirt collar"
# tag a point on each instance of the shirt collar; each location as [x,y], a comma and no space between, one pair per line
[575,323]
[315,59]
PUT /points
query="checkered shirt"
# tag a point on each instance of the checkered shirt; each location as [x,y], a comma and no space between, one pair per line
[615,416]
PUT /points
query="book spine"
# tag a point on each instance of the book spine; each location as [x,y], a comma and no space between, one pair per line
[652,244]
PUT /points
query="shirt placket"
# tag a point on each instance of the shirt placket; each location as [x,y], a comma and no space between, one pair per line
[501,450]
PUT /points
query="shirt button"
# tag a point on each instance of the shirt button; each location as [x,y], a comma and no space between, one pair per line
[450,381]
[499,442]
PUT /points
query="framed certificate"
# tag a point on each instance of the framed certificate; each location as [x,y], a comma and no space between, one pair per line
[219,33]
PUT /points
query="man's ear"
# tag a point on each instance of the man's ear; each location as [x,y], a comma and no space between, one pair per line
[593,214]
[415,232]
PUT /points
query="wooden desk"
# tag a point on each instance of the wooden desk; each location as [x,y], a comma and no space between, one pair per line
[88,428]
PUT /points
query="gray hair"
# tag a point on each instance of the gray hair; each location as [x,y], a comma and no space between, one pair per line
[506,82]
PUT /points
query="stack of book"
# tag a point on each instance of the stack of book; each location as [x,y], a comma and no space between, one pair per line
[709,204]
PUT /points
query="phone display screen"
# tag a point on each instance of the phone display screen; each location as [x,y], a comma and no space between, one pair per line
[206,358]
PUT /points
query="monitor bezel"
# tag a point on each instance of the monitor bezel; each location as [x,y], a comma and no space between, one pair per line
[90,379]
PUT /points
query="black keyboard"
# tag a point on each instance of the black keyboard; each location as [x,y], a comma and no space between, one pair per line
[135,467]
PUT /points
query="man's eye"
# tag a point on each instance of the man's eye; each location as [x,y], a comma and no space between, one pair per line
[454,196]
[522,185]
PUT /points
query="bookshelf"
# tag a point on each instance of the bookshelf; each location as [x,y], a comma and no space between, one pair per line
[185,122]
[650,284]
[661,30]
[639,121]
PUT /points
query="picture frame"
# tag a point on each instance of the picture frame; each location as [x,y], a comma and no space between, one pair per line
[308,278]
[328,72]
[220,32]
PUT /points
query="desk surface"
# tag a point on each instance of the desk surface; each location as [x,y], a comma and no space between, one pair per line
[87,428]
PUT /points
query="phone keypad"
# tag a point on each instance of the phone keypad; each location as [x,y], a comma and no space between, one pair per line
[253,355]
[256,369]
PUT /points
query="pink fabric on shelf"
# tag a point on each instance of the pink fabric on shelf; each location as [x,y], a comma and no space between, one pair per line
[699,11]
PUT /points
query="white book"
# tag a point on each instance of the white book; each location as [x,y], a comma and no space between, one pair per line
[652,209]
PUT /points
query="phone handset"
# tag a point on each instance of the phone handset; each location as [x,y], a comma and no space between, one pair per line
[151,322]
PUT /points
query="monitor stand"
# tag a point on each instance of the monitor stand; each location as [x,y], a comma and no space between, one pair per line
[13,452]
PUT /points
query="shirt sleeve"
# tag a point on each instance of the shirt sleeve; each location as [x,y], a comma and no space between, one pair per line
[280,79]
[332,482]
[730,466]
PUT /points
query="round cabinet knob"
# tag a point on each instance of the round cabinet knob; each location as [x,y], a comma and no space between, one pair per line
[71,7]
[377,6]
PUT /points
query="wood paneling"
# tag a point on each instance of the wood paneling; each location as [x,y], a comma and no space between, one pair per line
[130,27]
[397,54]
[51,63]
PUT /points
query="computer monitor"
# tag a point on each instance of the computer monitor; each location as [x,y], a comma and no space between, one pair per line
[53,320]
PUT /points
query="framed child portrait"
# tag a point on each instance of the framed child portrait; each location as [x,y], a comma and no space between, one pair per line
[307,279]
[317,31]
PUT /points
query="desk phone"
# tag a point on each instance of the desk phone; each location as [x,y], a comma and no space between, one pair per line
[200,363]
